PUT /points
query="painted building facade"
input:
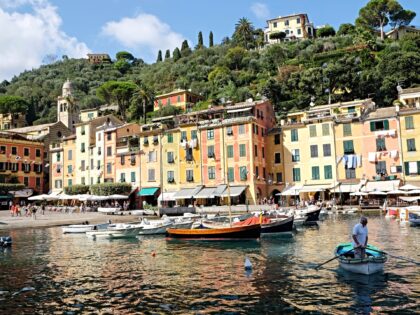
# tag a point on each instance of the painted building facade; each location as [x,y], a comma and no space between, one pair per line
[184,99]
[295,26]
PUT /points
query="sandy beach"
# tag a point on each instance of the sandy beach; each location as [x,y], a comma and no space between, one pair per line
[50,219]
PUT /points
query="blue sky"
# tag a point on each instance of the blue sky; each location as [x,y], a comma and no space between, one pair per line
[32,29]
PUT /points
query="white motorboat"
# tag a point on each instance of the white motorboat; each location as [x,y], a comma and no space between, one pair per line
[116,231]
[182,224]
[83,228]
[154,229]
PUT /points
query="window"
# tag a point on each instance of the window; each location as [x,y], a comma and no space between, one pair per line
[14,151]
[379,125]
[82,147]
[275,24]
[170,156]
[38,182]
[171,176]
[92,164]
[298,21]
[189,156]
[277,158]
[58,183]
[346,130]
[411,168]
[122,177]
[257,173]
[348,147]
[190,175]
[145,141]
[193,134]
[82,130]
[255,150]
[380,167]
[350,173]
[70,155]
[26,151]
[263,153]
[210,134]
[230,151]
[109,136]
[294,135]
[325,129]
[299,31]
[276,139]
[133,177]
[212,172]
[26,167]
[3,150]
[326,149]
[178,98]
[351,109]
[133,159]
[108,168]
[83,181]
[231,174]
[380,144]
[243,172]
[295,155]
[69,182]
[279,177]
[151,156]
[286,22]
[98,165]
[108,151]
[69,169]
[411,145]
[210,151]
[409,123]
[99,136]
[229,131]
[151,175]
[242,150]
[170,138]
[82,165]
[99,150]
[315,172]
[312,131]
[314,150]
[58,157]
[241,129]
[296,174]
[328,172]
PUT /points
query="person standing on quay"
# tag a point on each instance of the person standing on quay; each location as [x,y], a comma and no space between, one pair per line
[360,238]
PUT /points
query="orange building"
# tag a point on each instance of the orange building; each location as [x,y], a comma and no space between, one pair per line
[185,99]
[22,159]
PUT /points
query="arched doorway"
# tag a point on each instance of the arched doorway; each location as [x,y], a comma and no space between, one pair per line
[275,193]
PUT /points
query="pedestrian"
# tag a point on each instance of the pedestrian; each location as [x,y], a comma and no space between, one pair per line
[33,210]
[12,210]
[43,208]
[360,238]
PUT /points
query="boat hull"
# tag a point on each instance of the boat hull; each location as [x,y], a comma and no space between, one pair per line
[312,216]
[367,268]
[115,233]
[278,226]
[148,230]
[230,233]
[82,228]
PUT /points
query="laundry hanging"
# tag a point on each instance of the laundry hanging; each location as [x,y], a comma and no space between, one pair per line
[372,157]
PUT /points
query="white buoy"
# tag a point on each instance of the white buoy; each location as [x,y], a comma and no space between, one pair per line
[248,265]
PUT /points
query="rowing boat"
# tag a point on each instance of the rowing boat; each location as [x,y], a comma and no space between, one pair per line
[373,262]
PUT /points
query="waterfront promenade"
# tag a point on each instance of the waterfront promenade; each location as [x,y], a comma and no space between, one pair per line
[50,219]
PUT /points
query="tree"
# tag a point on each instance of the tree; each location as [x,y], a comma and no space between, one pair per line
[244,33]
[176,55]
[377,14]
[235,56]
[124,55]
[122,65]
[200,41]
[278,36]
[211,39]
[167,54]
[159,57]
[185,49]
[143,98]
[12,104]
[346,29]
[117,92]
[325,31]
[403,17]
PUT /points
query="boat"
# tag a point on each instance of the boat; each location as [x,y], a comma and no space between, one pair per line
[5,241]
[83,228]
[372,263]
[116,231]
[414,219]
[312,215]
[182,224]
[154,229]
[226,233]
[277,225]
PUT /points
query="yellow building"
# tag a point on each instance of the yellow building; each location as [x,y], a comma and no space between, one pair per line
[295,26]
[274,159]
[89,114]
[12,120]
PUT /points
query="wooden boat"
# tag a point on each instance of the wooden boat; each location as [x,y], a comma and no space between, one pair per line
[312,216]
[227,233]
[5,241]
[83,228]
[116,231]
[372,263]
[277,225]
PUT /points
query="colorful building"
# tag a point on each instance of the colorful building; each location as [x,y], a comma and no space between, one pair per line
[12,120]
[184,99]
[295,26]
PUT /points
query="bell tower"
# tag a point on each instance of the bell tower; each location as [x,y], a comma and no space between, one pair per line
[67,109]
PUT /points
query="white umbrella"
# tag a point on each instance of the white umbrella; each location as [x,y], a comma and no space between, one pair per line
[413,192]
[359,193]
[409,187]
[117,197]
[38,197]
[51,197]
[396,192]
[84,197]
[67,197]
[98,198]
[377,192]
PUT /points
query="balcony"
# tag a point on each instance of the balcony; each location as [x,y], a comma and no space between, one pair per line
[346,116]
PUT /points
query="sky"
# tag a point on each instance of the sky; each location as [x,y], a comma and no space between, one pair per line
[33,30]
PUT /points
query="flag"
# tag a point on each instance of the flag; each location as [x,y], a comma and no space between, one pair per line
[17,158]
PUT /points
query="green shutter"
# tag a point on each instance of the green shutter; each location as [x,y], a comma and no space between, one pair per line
[406,170]
[418,167]
[372,126]
[386,124]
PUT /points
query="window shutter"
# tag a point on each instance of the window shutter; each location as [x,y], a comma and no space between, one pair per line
[406,170]
[418,167]
[386,124]
[372,126]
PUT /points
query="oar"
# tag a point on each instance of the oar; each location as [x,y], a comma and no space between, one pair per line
[398,257]
[333,258]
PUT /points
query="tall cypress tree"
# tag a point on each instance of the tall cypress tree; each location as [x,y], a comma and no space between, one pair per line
[200,40]
[159,57]
[185,49]
[176,54]
[167,54]
[211,39]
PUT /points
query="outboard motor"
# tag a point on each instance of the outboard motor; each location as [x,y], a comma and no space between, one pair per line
[5,241]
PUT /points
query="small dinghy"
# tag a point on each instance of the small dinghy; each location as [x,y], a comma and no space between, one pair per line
[5,241]
[116,231]
[83,228]
[372,263]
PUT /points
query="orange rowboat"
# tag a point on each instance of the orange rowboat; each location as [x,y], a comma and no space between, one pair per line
[229,233]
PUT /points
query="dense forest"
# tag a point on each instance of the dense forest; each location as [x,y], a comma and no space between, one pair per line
[354,62]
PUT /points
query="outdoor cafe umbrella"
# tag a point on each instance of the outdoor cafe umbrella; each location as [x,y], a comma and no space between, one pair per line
[38,197]
[67,197]
[409,187]
[116,197]
[413,192]
[377,192]
[396,192]
[358,193]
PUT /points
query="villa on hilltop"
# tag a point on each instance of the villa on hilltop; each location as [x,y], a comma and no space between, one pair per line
[295,26]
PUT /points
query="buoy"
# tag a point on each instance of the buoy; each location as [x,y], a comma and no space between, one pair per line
[153,254]
[248,265]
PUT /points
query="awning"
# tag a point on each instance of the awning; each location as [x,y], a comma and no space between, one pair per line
[23,193]
[409,187]
[238,110]
[316,188]
[206,193]
[348,188]
[148,191]
[234,191]
[219,190]
[167,196]
[410,199]
[383,185]
[187,193]
[291,190]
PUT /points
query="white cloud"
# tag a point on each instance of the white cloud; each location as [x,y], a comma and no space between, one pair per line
[144,31]
[260,10]
[27,37]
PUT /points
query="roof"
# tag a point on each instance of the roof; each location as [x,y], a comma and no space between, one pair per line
[100,120]
[415,89]
[409,27]
[32,128]
[381,113]
[176,92]
[73,136]
[15,136]
[288,16]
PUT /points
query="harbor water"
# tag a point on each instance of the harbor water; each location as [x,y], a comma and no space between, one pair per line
[46,272]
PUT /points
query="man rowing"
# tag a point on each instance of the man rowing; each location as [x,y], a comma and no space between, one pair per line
[360,238]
